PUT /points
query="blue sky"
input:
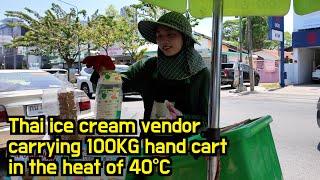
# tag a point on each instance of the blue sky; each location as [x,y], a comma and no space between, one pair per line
[91,5]
[41,5]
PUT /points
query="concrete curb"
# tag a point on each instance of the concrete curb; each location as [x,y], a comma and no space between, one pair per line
[274,89]
[244,92]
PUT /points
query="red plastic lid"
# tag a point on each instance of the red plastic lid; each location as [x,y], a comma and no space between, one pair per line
[99,61]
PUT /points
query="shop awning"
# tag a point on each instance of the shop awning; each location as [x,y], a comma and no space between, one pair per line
[309,38]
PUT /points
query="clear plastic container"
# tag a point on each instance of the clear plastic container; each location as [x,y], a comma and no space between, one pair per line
[109,96]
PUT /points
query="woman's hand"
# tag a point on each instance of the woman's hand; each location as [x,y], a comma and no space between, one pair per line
[174,113]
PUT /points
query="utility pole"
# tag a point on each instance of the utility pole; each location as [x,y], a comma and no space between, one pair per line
[89,53]
[14,58]
[27,58]
[282,73]
[14,49]
[241,87]
[249,28]
[88,48]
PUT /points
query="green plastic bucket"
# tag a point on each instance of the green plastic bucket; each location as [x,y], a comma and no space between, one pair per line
[251,155]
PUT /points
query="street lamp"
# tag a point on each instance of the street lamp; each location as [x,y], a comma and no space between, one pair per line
[79,64]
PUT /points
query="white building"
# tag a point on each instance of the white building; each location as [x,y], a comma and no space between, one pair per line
[306,48]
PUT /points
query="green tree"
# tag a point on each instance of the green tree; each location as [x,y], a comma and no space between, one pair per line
[148,11]
[130,40]
[54,34]
[270,44]
[104,31]
[85,31]
[231,30]
[259,30]
[287,39]
[101,31]
[151,12]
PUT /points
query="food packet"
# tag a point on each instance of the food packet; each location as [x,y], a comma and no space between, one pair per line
[109,95]
[165,110]
[68,108]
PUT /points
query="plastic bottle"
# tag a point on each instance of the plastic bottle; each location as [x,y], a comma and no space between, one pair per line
[109,95]
[108,103]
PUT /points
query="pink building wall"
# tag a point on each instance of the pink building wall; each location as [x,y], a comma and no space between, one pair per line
[267,72]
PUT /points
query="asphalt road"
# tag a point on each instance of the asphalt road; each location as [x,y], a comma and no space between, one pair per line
[294,126]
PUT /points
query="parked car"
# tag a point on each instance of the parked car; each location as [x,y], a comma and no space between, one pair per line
[316,74]
[121,68]
[61,74]
[228,73]
[318,112]
[84,83]
[27,93]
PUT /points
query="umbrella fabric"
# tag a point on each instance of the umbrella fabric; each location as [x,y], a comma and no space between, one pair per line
[203,8]
[303,7]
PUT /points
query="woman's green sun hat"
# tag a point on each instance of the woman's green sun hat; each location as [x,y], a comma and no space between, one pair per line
[172,20]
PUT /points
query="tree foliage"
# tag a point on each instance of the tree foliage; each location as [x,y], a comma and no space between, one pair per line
[130,39]
[151,12]
[102,30]
[287,39]
[259,32]
[55,33]
[231,30]
[85,31]
[148,11]
[59,33]
[109,29]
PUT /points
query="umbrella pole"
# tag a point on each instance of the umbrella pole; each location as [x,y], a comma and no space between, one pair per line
[214,96]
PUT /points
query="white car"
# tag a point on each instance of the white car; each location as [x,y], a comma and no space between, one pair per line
[316,74]
[32,93]
[61,74]
[84,83]
[121,68]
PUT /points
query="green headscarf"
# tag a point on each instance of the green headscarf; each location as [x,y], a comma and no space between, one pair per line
[188,61]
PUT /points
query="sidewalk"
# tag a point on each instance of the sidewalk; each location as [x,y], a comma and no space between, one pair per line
[304,89]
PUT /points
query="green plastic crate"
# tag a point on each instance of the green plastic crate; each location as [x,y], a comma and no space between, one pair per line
[251,155]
